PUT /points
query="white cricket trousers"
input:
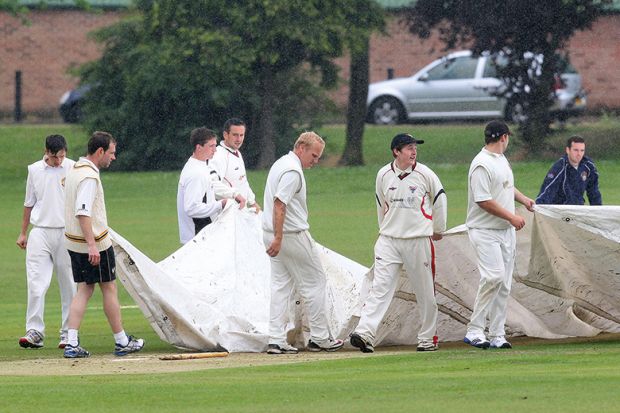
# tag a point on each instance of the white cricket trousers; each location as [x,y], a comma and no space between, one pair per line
[297,267]
[45,253]
[495,249]
[416,255]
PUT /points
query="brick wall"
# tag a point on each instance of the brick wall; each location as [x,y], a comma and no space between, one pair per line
[56,40]
[44,50]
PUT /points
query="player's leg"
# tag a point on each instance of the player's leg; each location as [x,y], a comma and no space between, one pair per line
[419,262]
[66,285]
[387,266]
[497,314]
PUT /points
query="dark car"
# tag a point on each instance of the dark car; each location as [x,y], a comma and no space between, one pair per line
[71,104]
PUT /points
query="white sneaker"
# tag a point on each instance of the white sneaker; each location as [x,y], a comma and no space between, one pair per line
[328,345]
[281,349]
[500,342]
[64,340]
[32,339]
[427,345]
[477,341]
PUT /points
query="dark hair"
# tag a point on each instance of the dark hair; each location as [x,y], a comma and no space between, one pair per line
[232,122]
[55,143]
[100,140]
[575,139]
[200,136]
[494,130]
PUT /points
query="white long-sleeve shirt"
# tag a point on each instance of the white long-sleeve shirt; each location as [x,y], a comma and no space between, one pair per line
[230,167]
[410,203]
[195,197]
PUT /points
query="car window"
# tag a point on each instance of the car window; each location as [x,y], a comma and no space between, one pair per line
[490,70]
[459,68]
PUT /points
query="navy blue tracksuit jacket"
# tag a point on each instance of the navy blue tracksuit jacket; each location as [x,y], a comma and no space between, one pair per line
[565,185]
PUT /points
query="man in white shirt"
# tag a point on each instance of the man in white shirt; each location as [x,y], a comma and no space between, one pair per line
[44,208]
[412,210]
[90,247]
[197,205]
[491,223]
[295,263]
[228,161]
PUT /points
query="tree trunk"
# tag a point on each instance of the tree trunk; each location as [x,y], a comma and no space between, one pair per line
[267,154]
[356,111]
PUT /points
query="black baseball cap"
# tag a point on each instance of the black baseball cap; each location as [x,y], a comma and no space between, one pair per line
[404,139]
[496,128]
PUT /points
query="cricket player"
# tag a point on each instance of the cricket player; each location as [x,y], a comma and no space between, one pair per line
[412,211]
[228,161]
[44,208]
[295,263]
[491,224]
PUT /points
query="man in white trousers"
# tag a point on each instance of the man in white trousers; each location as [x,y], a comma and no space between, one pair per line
[295,263]
[412,211]
[197,205]
[491,223]
[44,208]
[228,161]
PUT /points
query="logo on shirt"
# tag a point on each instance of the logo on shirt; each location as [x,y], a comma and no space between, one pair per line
[62,182]
[392,188]
[237,168]
[584,176]
[412,188]
[83,209]
[550,175]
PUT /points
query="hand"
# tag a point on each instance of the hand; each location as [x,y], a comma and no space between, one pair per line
[274,248]
[93,255]
[436,236]
[529,204]
[256,207]
[517,221]
[224,203]
[22,241]
[241,201]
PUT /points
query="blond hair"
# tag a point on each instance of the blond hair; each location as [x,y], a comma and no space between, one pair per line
[308,139]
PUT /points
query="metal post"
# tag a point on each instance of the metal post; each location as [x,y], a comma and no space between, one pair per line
[18,96]
[390,73]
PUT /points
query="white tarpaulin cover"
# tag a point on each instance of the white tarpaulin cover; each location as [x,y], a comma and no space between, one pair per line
[213,293]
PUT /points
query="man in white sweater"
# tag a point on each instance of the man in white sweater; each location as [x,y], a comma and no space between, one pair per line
[197,205]
[90,247]
[295,263]
[412,210]
[228,161]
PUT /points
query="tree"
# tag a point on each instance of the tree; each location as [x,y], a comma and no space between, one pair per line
[364,19]
[525,37]
[184,63]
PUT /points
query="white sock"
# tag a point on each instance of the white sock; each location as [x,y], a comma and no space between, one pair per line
[72,337]
[121,338]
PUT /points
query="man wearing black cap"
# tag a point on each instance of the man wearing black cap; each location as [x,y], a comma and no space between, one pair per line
[491,224]
[412,210]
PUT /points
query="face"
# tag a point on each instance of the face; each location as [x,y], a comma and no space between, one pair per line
[206,151]
[504,140]
[576,152]
[310,155]
[234,138]
[108,156]
[55,159]
[406,157]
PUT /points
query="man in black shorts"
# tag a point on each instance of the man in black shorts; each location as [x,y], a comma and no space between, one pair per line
[90,247]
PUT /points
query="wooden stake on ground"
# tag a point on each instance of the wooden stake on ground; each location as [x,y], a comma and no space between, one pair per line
[192,356]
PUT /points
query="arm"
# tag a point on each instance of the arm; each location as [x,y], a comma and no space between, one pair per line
[87,231]
[279,213]
[195,191]
[550,188]
[223,191]
[22,239]
[382,206]
[440,208]
[492,207]
[594,195]
[525,201]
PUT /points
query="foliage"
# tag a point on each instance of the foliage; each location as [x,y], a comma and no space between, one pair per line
[180,64]
[519,31]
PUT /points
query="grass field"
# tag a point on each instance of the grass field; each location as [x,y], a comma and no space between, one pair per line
[567,377]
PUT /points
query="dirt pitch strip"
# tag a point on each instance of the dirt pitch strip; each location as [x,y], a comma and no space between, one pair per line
[152,364]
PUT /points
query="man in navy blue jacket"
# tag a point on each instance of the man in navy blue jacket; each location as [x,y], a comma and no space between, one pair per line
[571,176]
